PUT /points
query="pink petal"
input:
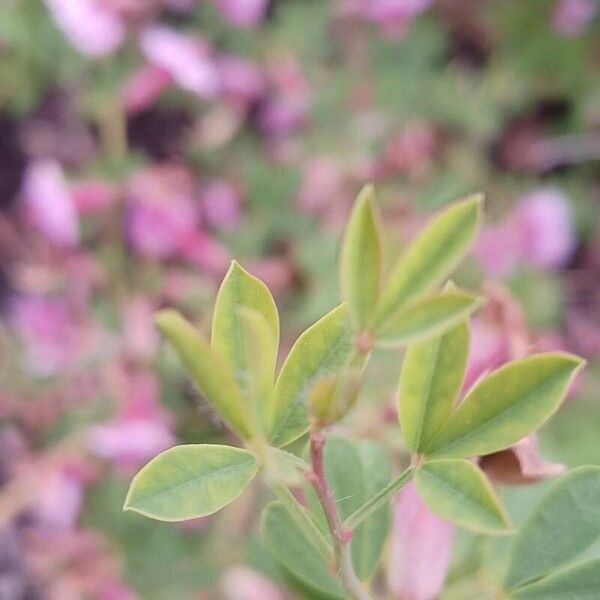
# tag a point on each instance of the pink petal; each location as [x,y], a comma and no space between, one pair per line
[546,235]
[144,87]
[571,17]
[187,59]
[242,583]
[497,249]
[91,196]
[90,25]
[221,205]
[420,551]
[243,13]
[49,203]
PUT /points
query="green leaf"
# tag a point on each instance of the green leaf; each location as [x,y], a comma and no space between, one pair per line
[457,490]
[431,257]
[361,259]
[229,337]
[186,482]
[580,582]
[431,377]
[260,368]
[427,318]
[506,406]
[290,547]
[210,372]
[320,351]
[356,472]
[557,550]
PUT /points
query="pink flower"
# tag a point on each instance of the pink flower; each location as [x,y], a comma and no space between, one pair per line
[539,233]
[141,431]
[52,338]
[144,87]
[243,13]
[221,205]
[90,25]
[241,78]
[207,253]
[420,550]
[59,496]
[93,195]
[139,334]
[242,583]
[187,59]
[394,16]
[162,216]
[571,17]
[546,238]
[49,204]
[497,249]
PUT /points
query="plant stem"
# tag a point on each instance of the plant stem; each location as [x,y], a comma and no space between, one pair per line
[303,520]
[383,496]
[341,535]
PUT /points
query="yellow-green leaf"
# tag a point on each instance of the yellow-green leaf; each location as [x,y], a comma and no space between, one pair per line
[239,290]
[431,377]
[322,350]
[431,257]
[361,259]
[506,406]
[209,371]
[186,482]
[426,318]
[457,490]
[260,368]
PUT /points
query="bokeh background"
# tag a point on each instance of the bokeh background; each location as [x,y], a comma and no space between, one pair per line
[144,143]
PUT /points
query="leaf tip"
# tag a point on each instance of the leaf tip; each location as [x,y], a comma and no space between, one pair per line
[165,317]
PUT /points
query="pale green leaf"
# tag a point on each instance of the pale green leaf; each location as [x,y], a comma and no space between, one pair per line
[361,259]
[579,582]
[558,546]
[506,406]
[260,368]
[431,377]
[322,350]
[241,290]
[210,372]
[431,257]
[427,317]
[190,481]
[458,491]
[290,547]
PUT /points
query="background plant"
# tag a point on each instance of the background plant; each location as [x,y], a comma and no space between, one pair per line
[145,144]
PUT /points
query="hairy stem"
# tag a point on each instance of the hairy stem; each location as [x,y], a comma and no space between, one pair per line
[379,499]
[341,535]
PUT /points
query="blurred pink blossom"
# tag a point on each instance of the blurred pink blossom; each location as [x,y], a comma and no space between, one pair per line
[393,16]
[90,25]
[93,195]
[59,496]
[207,253]
[240,78]
[139,334]
[221,205]
[162,216]
[243,583]
[571,17]
[539,233]
[141,431]
[186,58]
[420,549]
[546,237]
[243,13]
[49,203]
[144,87]
[52,338]
[286,109]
